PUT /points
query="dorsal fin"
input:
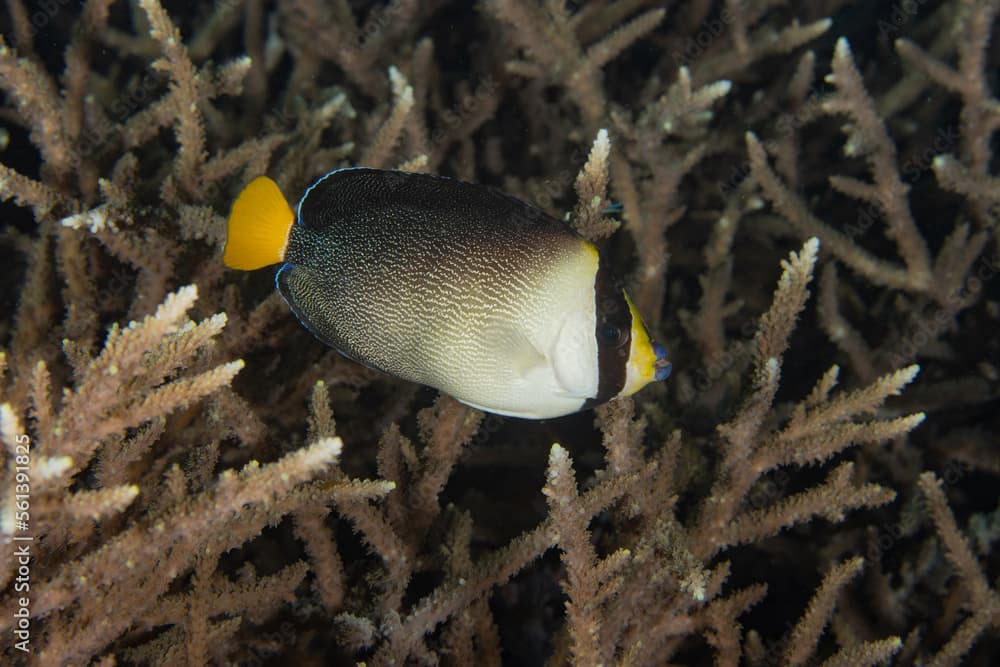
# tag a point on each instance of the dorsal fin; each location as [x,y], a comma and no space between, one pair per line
[348,193]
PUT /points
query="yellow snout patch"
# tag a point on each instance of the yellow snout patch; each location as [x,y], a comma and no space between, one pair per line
[641,368]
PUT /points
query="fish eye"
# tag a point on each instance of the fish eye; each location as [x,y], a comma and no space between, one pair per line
[610,334]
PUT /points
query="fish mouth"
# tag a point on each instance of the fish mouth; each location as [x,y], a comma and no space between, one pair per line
[647,360]
[661,367]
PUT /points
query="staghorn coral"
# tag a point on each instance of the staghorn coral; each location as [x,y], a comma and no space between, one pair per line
[203,483]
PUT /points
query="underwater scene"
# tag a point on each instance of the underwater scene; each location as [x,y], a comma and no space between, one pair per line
[500,332]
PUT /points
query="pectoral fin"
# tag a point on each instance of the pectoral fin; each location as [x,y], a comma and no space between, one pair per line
[524,361]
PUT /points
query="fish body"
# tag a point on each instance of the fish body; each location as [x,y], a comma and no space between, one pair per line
[450,284]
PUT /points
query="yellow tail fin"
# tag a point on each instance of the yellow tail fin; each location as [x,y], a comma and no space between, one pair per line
[257,232]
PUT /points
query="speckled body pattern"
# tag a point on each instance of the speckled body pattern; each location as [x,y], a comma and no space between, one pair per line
[449,284]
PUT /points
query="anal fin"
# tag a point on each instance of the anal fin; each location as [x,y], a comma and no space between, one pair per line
[303,292]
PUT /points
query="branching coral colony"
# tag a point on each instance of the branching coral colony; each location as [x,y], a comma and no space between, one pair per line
[169,444]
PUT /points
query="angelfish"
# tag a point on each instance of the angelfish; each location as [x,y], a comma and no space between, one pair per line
[450,284]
